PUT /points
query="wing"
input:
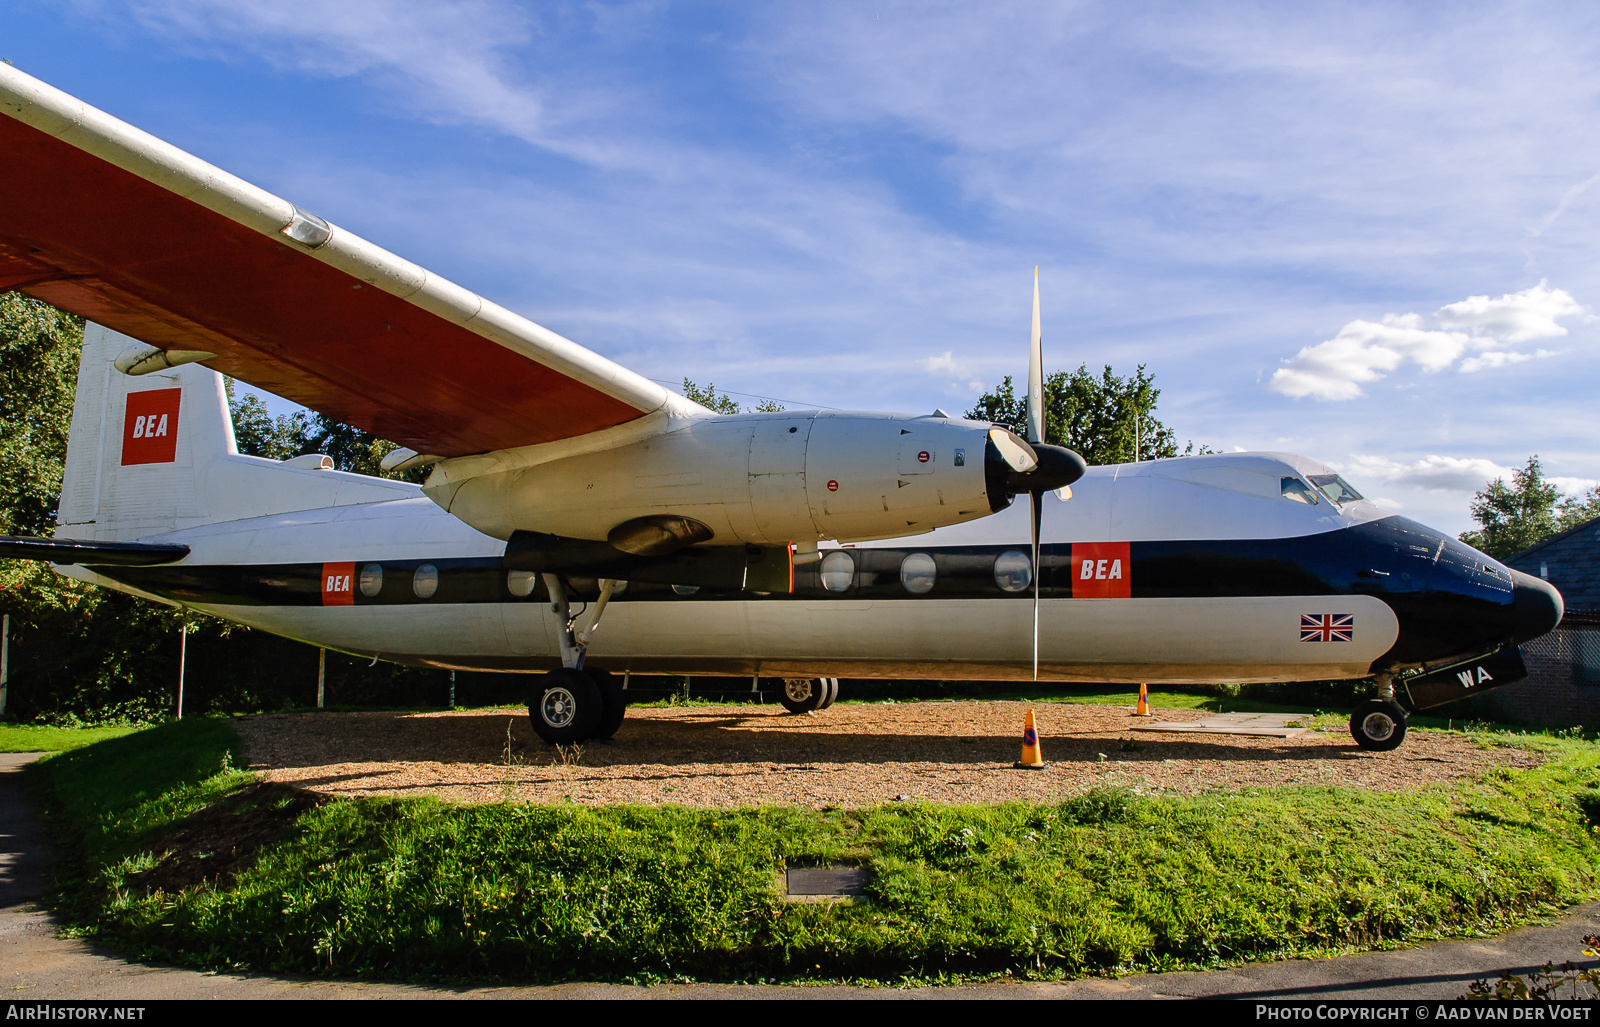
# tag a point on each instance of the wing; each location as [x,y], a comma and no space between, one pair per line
[113,224]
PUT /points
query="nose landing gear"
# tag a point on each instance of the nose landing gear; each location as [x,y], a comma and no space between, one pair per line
[1379,725]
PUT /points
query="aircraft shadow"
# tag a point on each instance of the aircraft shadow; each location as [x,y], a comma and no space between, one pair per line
[498,739]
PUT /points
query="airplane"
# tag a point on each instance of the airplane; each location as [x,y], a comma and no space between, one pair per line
[804,545]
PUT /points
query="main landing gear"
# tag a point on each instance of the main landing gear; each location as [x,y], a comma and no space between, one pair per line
[805,695]
[576,704]
[1379,724]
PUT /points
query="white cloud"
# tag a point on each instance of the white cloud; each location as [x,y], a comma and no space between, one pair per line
[1500,358]
[946,363]
[1572,486]
[1515,317]
[1433,473]
[1366,351]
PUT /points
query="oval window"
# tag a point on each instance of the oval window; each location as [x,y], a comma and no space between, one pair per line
[838,571]
[917,572]
[521,583]
[372,580]
[425,581]
[1013,571]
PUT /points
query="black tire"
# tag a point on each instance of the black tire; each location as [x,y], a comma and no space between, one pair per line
[802,695]
[566,707]
[831,694]
[1378,725]
[613,700]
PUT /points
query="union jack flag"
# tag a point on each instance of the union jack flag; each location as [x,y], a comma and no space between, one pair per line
[1327,627]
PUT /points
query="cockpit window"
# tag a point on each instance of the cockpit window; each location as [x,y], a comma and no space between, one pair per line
[1295,489]
[1335,488]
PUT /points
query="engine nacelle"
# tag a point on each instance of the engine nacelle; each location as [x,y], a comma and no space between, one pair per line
[759,479]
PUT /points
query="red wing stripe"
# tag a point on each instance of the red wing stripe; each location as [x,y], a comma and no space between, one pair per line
[112,224]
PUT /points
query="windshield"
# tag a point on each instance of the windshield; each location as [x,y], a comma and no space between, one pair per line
[1335,488]
[1295,489]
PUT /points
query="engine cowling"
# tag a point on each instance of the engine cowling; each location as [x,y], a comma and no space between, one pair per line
[761,479]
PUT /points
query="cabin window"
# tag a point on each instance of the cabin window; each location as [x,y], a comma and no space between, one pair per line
[917,572]
[371,580]
[1335,488]
[425,581]
[521,583]
[1299,491]
[1013,571]
[838,571]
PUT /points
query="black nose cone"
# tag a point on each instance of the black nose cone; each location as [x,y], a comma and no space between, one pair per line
[1536,604]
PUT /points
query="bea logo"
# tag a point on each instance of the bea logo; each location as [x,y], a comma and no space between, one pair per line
[1101,570]
[337,584]
[150,430]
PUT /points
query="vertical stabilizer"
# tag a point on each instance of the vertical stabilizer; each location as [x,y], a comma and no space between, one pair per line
[139,445]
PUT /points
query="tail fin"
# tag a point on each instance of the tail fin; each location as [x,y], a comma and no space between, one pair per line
[137,445]
[155,453]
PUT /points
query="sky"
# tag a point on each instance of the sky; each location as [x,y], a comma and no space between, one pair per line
[1363,232]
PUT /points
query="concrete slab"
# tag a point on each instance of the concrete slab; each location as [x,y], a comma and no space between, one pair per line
[1272,725]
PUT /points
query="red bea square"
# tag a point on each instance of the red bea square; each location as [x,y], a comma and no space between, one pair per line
[338,584]
[150,429]
[1101,570]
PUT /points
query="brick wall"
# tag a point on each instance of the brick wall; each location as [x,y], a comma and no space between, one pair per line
[1562,688]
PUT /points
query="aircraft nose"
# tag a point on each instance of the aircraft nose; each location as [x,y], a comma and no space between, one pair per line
[1536,605]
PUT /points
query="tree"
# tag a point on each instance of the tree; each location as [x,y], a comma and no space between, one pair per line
[1575,510]
[1096,415]
[723,403]
[258,433]
[39,348]
[1514,517]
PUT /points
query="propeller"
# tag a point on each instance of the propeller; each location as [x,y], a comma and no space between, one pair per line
[1014,465]
[1035,437]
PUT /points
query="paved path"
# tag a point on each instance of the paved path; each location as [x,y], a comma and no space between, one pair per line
[35,964]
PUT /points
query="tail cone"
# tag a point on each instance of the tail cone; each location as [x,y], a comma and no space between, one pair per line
[1032,757]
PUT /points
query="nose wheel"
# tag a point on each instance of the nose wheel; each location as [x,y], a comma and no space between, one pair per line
[1378,725]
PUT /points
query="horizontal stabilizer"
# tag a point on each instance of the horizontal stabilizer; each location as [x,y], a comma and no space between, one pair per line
[108,554]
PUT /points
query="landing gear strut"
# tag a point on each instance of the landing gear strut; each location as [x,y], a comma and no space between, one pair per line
[1379,724]
[576,704]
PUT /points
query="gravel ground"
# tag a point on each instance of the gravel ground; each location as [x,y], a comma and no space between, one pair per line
[850,755]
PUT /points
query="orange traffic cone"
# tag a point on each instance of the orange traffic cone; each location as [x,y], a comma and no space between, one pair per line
[1143,709]
[1032,758]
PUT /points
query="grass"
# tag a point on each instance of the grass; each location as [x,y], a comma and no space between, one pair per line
[1109,882]
[41,738]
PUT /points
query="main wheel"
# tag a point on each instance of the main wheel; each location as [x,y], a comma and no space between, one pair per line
[832,693]
[566,708]
[612,698]
[802,695]
[1378,725]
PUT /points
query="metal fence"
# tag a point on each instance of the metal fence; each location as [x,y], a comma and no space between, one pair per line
[1574,649]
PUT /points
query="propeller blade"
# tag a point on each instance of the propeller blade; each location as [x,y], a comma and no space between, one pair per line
[1036,371]
[1036,502]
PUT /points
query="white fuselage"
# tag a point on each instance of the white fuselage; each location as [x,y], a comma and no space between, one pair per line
[872,629]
